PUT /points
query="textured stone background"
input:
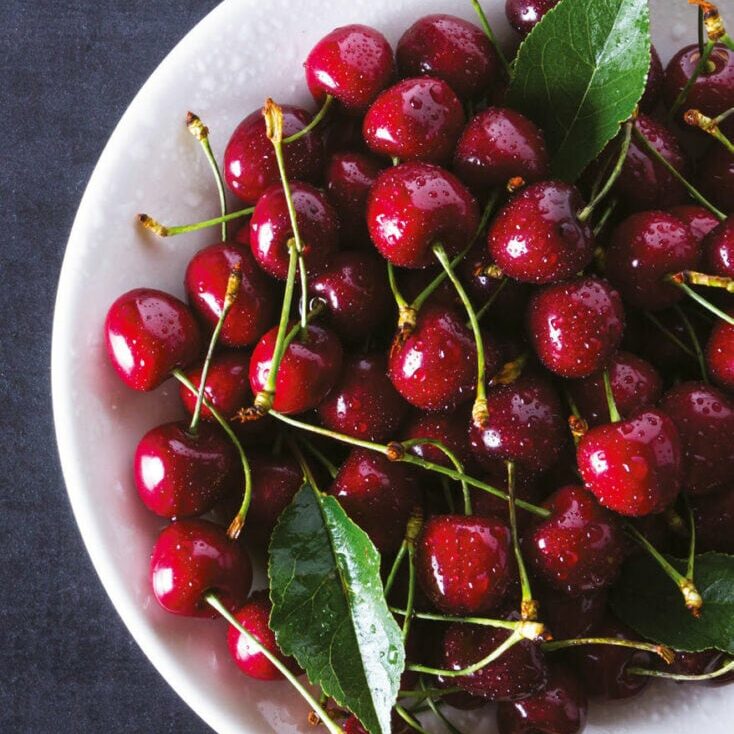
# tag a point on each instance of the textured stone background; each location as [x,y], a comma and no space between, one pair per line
[67,72]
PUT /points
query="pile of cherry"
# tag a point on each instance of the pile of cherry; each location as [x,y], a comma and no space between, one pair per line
[604,394]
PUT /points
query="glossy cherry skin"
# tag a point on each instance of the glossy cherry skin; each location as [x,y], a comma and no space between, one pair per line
[695,663]
[537,237]
[364,403]
[415,205]
[715,177]
[309,369]
[519,673]
[719,250]
[526,424]
[655,80]
[720,353]
[580,547]
[644,249]
[633,467]
[527,488]
[704,417]
[635,384]
[571,616]
[249,158]
[206,284]
[355,289]
[524,15]
[497,145]
[192,558]
[714,518]
[270,228]
[254,616]
[353,64]
[451,49]
[148,333]
[560,707]
[450,429]
[700,220]
[378,494]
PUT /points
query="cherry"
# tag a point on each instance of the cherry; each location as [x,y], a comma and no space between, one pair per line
[192,558]
[355,289]
[558,708]
[242,235]
[249,158]
[704,417]
[254,616]
[714,518]
[537,237]
[415,205]
[270,228]
[415,120]
[715,177]
[527,488]
[447,428]
[451,49]
[309,369]
[567,616]
[364,403]
[655,81]
[518,673]
[698,218]
[499,144]
[379,495]
[695,663]
[206,284]
[633,467]
[524,15]
[660,349]
[353,64]
[148,333]
[644,249]
[580,547]
[576,326]
[719,250]
[181,474]
[720,353]
[635,384]
[526,425]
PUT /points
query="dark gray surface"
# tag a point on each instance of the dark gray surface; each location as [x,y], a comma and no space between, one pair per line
[68,71]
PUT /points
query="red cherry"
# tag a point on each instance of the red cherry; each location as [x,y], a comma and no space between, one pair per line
[309,369]
[364,403]
[524,15]
[249,158]
[720,353]
[254,616]
[451,49]
[633,467]
[715,177]
[415,205]
[378,494]
[644,249]
[695,663]
[450,429]
[537,237]
[655,80]
[270,228]
[527,488]
[719,250]
[206,284]
[714,518]
[571,616]
[700,220]
[659,349]
[242,235]
[148,333]
[497,145]
[193,558]
[353,64]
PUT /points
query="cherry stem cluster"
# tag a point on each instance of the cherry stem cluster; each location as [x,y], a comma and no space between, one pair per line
[709,125]
[163,231]
[660,650]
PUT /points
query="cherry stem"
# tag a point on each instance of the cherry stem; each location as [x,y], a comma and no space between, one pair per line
[692,542]
[448,495]
[695,193]
[526,628]
[664,652]
[395,567]
[201,132]
[304,291]
[701,66]
[604,218]
[490,34]
[410,602]
[319,456]
[654,320]
[614,415]
[406,313]
[723,670]
[696,118]
[434,692]
[162,231]
[409,720]
[693,277]
[437,711]
[483,310]
[701,32]
[328,100]
[700,299]
[694,340]
[528,605]
[308,476]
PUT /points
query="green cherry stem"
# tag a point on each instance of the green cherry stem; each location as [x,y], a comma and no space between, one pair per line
[723,670]
[412,722]
[527,629]
[696,118]
[694,340]
[490,34]
[661,650]
[611,403]
[693,277]
[668,333]
[676,281]
[604,218]
[419,695]
[163,231]
[701,66]
[402,552]
[437,711]
[406,313]
[317,118]
[319,456]
[690,568]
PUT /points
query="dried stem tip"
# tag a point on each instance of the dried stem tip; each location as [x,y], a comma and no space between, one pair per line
[515,183]
[153,225]
[480,413]
[235,527]
[233,286]
[273,115]
[531,630]
[711,19]
[196,127]
[529,609]
[395,451]
[692,598]
[579,427]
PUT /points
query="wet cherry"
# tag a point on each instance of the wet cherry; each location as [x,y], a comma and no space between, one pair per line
[715,177]
[720,353]
[449,429]
[698,218]
[719,250]
[524,15]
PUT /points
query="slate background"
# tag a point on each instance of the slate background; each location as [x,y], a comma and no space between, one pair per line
[67,72]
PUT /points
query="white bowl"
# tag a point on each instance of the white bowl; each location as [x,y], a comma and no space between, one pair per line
[225,67]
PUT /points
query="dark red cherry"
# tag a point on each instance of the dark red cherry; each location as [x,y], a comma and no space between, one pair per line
[644,249]
[704,417]
[526,424]
[450,429]
[179,474]
[353,64]
[715,177]
[497,145]
[571,616]
[309,369]
[517,674]
[364,403]
[698,218]
[695,663]
[714,518]
[415,205]
[537,237]
[656,346]
[249,158]
[206,284]
[720,353]
[270,228]
[580,547]
[524,15]
[633,467]
[719,250]
[192,558]
[254,616]
[655,80]
[560,707]
[451,49]
[148,333]
[242,234]
[635,384]
[355,288]
[378,494]
[527,488]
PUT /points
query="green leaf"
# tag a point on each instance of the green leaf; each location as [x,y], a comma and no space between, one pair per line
[579,75]
[649,602]
[329,609]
